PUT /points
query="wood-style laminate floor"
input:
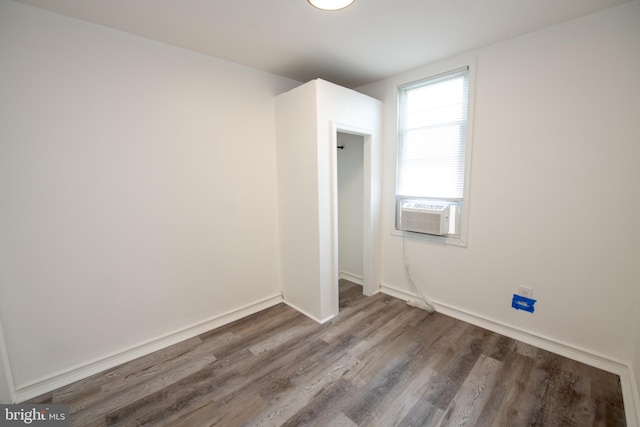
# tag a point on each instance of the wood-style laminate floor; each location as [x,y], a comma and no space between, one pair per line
[379,363]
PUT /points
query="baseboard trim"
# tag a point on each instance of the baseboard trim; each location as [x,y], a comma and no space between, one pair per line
[310,316]
[61,379]
[624,370]
[398,293]
[358,280]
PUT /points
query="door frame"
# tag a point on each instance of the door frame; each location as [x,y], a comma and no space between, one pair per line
[371,210]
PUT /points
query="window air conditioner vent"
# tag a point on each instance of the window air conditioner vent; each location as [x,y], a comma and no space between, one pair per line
[427,218]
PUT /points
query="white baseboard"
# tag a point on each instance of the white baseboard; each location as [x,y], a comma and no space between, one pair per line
[310,316]
[400,294]
[359,280]
[624,370]
[53,382]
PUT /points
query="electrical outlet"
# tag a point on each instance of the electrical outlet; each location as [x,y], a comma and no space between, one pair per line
[523,291]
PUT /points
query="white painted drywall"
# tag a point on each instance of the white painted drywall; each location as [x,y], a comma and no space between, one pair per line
[350,205]
[138,190]
[296,123]
[554,186]
[307,121]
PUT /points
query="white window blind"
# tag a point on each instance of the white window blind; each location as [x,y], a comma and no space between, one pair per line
[432,117]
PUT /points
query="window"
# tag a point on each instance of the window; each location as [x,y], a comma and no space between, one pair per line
[432,148]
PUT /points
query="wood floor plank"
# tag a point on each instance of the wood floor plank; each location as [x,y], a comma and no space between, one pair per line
[80,394]
[540,387]
[452,359]
[323,402]
[467,405]
[507,404]
[606,396]
[434,328]
[143,383]
[423,413]
[229,381]
[239,411]
[291,404]
[378,355]
[291,332]
[180,398]
[337,419]
[249,375]
[378,363]
[367,406]
[399,404]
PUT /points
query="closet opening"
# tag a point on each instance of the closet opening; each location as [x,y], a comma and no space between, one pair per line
[353,206]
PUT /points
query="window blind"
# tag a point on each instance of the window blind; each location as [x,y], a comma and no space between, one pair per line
[432,116]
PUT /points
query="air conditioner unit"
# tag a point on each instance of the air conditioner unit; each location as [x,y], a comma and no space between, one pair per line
[424,217]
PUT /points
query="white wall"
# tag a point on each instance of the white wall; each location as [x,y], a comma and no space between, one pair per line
[554,186]
[296,134]
[138,190]
[350,206]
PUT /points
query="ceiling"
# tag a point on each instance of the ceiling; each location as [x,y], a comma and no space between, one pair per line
[370,40]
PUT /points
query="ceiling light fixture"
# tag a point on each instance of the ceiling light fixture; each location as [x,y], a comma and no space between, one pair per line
[330,4]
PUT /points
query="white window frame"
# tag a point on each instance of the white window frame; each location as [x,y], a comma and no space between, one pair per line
[461,238]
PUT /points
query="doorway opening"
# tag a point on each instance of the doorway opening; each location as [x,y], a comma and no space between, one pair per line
[355,213]
[350,186]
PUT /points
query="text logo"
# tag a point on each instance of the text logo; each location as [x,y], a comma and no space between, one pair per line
[34,415]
